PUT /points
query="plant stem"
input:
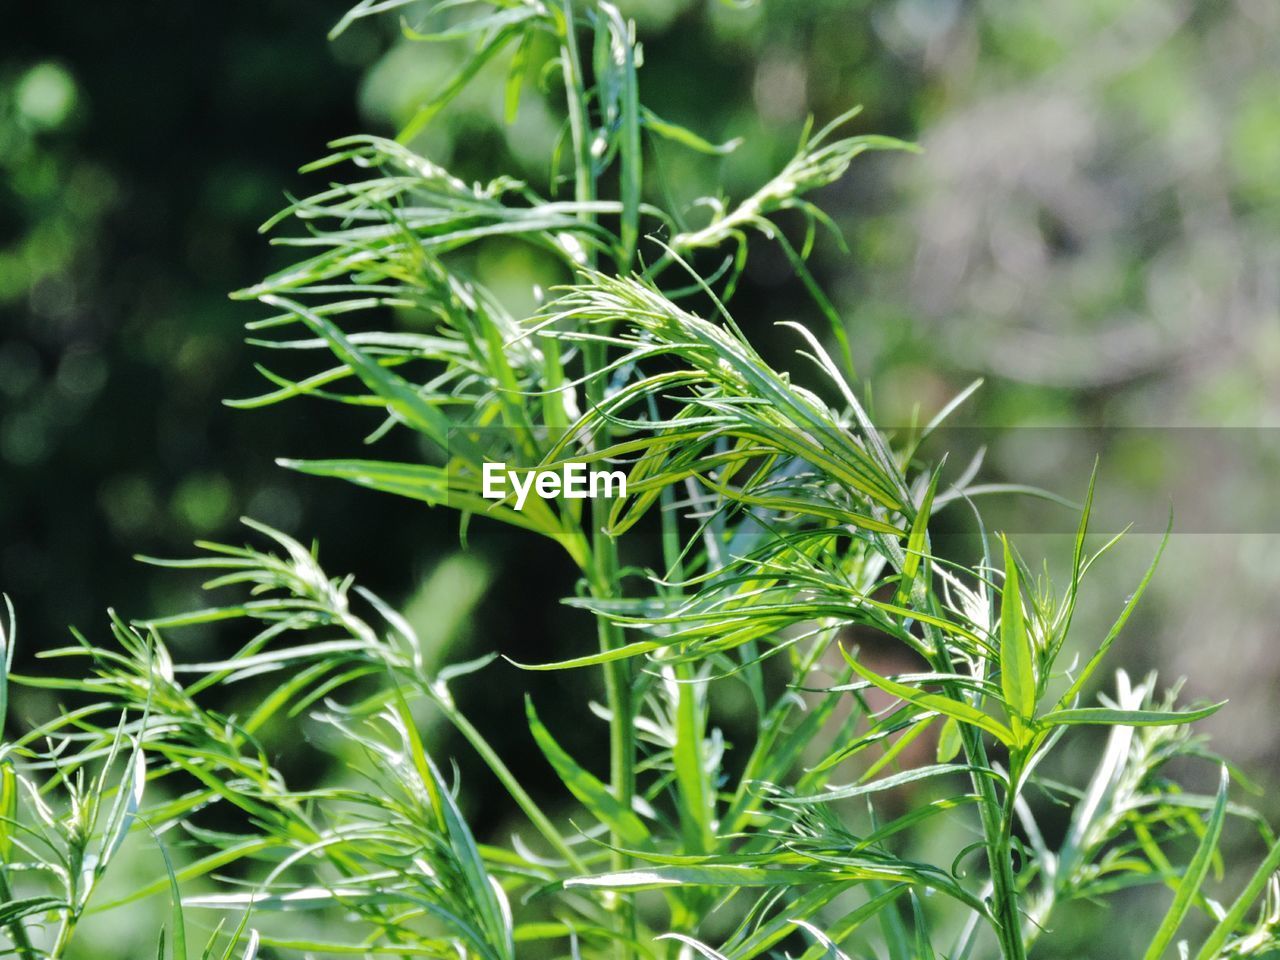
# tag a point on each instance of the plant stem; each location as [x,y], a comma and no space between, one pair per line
[618,690]
[997,828]
[603,573]
[584,180]
[997,818]
[65,930]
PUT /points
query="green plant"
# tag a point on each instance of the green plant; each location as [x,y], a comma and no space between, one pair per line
[785,521]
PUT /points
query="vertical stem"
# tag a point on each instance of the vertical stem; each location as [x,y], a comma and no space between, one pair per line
[618,687]
[584,180]
[603,573]
[997,818]
[997,830]
[65,929]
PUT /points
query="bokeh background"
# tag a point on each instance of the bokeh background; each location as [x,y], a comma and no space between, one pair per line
[1093,227]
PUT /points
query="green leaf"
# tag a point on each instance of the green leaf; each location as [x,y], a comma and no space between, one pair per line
[917,542]
[949,742]
[962,712]
[417,481]
[622,61]
[636,649]
[484,897]
[230,854]
[250,948]
[1094,661]
[365,8]
[179,950]
[590,792]
[8,633]
[886,783]
[845,927]
[15,910]
[1105,716]
[727,875]
[828,944]
[475,25]
[696,794]
[8,808]
[686,137]
[1195,874]
[515,79]
[127,803]
[1017,675]
[401,397]
[704,951]
[438,486]
[460,78]
[923,946]
[1232,918]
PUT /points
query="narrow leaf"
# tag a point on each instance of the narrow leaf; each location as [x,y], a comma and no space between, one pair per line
[949,741]
[1094,661]
[1232,918]
[1017,676]
[16,910]
[727,875]
[875,786]
[686,137]
[1195,875]
[1105,716]
[916,543]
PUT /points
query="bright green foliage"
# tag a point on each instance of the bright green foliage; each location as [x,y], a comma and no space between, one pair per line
[787,519]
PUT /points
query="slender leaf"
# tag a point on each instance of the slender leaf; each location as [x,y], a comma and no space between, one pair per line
[1194,877]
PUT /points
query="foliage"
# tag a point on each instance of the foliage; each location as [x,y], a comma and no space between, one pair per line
[786,526]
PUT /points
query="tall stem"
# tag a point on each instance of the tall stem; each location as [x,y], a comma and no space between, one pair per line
[584,180]
[997,831]
[997,818]
[603,573]
[603,579]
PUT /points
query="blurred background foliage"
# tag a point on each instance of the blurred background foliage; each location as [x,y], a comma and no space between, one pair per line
[1094,227]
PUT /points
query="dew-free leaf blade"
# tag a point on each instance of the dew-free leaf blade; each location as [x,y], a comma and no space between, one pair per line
[885,783]
[916,543]
[401,397]
[949,742]
[686,137]
[1195,874]
[726,875]
[1096,659]
[1106,716]
[15,910]
[1017,674]
[1232,918]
